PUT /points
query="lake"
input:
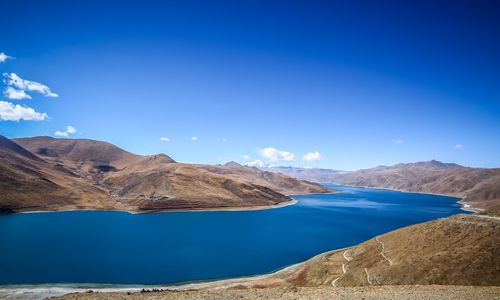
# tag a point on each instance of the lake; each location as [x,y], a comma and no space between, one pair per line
[158,248]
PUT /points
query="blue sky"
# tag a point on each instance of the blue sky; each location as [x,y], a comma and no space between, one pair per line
[362,83]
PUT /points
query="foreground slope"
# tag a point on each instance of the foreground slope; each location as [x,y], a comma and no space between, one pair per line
[458,253]
[44,173]
[458,250]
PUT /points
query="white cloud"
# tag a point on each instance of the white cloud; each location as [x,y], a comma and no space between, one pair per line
[4,57]
[397,141]
[458,146]
[274,154]
[69,130]
[246,157]
[164,139]
[15,94]
[256,163]
[16,112]
[312,156]
[194,138]
[60,133]
[14,80]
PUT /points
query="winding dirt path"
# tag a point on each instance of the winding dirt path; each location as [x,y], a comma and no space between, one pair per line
[368,276]
[382,252]
[344,267]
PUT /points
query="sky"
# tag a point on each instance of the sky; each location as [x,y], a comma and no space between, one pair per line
[331,84]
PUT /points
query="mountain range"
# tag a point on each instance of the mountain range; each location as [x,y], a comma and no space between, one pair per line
[45,173]
[479,187]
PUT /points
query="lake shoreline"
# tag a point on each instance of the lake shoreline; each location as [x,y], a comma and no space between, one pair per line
[215,209]
[197,285]
[133,212]
[461,200]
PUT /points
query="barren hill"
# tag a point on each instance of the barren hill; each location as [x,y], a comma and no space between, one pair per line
[479,187]
[44,173]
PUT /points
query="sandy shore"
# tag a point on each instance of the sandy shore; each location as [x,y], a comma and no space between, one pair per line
[265,207]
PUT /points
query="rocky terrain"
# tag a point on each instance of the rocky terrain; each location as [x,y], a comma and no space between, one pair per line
[448,258]
[479,187]
[317,293]
[44,173]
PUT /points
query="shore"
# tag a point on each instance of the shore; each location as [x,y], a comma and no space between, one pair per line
[47,290]
[245,208]
[461,200]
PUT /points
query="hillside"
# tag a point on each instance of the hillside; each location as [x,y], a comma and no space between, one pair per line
[480,188]
[28,182]
[447,258]
[44,173]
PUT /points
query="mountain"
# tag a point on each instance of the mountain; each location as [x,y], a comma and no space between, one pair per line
[28,182]
[45,173]
[310,174]
[479,187]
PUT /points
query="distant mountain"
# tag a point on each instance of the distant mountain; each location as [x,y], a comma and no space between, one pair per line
[44,173]
[479,187]
[310,174]
[257,163]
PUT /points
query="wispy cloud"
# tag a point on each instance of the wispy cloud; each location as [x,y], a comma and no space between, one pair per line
[15,94]
[246,157]
[69,130]
[274,154]
[458,146]
[164,139]
[13,80]
[4,57]
[16,112]
[312,156]
[398,141]
[194,138]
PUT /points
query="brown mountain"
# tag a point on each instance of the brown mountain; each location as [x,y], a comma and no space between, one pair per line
[28,182]
[479,187]
[44,173]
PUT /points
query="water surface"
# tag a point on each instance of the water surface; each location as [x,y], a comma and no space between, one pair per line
[158,248]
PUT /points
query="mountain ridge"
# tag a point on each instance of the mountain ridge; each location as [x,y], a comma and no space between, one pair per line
[45,173]
[479,187]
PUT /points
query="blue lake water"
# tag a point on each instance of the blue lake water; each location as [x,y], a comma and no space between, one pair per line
[158,248]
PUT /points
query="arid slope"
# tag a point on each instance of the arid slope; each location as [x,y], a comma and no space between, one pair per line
[44,173]
[479,187]
[447,258]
